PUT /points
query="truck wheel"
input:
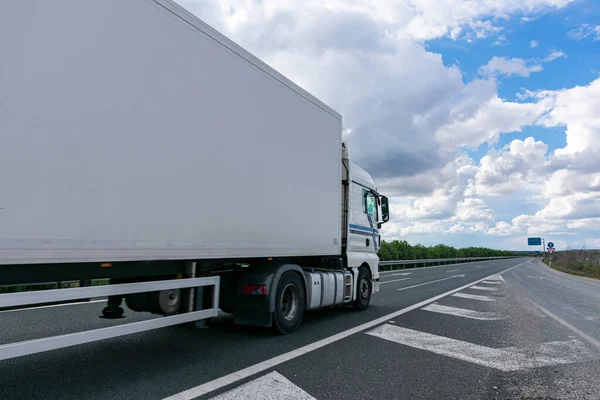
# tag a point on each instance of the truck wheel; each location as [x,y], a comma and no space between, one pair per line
[363,290]
[289,303]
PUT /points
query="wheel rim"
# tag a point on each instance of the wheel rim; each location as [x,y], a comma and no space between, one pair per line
[169,300]
[289,303]
[364,288]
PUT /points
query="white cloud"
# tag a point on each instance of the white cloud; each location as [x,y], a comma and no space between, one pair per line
[585,31]
[509,66]
[517,66]
[534,43]
[578,109]
[435,18]
[481,116]
[417,19]
[502,228]
[554,55]
[501,173]
[501,41]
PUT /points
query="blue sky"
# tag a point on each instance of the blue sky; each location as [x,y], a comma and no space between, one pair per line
[480,120]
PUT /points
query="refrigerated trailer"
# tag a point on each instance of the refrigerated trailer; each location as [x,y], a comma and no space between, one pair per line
[139,145]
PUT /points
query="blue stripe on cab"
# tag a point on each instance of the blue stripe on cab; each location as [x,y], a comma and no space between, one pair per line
[363,228]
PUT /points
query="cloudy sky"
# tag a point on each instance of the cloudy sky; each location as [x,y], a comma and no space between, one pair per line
[480,119]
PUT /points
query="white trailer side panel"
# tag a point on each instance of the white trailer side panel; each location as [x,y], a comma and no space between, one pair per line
[130,130]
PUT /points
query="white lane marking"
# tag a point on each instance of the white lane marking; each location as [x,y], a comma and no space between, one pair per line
[272,362]
[462,312]
[507,359]
[400,274]
[54,305]
[478,266]
[492,282]
[453,270]
[564,323]
[473,297]
[437,280]
[389,273]
[272,386]
[488,289]
[395,280]
[496,277]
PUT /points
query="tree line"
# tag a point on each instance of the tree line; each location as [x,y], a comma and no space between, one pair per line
[402,250]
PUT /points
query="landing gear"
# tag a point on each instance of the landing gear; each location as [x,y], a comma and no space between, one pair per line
[113,309]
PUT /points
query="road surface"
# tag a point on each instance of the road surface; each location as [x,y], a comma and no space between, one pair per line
[498,329]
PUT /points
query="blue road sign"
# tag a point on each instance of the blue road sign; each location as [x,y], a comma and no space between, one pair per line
[535,241]
[550,245]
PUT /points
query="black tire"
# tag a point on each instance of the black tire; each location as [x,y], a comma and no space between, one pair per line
[289,303]
[364,288]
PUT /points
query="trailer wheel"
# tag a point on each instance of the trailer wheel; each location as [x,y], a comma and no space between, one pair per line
[364,289]
[289,303]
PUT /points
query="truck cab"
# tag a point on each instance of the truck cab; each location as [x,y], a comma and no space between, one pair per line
[365,211]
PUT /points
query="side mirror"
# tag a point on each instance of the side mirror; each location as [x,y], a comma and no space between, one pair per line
[385,209]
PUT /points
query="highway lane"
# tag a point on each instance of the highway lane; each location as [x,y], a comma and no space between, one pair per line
[499,344]
[158,364]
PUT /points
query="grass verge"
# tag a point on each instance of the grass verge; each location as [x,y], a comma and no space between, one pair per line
[577,262]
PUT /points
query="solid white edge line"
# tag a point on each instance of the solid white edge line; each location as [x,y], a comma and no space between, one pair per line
[272,362]
[564,323]
[54,305]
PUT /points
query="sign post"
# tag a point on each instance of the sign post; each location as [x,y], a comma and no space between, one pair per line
[550,251]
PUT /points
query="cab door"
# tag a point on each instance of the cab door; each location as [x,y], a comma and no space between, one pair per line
[363,233]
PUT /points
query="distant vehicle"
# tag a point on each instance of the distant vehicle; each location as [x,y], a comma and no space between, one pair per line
[140,145]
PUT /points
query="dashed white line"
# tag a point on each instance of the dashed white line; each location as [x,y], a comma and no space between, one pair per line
[398,274]
[395,280]
[430,282]
[473,297]
[462,312]
[453,270]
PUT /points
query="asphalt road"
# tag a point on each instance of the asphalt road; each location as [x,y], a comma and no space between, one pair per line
[497,329]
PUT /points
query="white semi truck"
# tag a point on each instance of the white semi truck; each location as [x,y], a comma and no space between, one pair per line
[139,145]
